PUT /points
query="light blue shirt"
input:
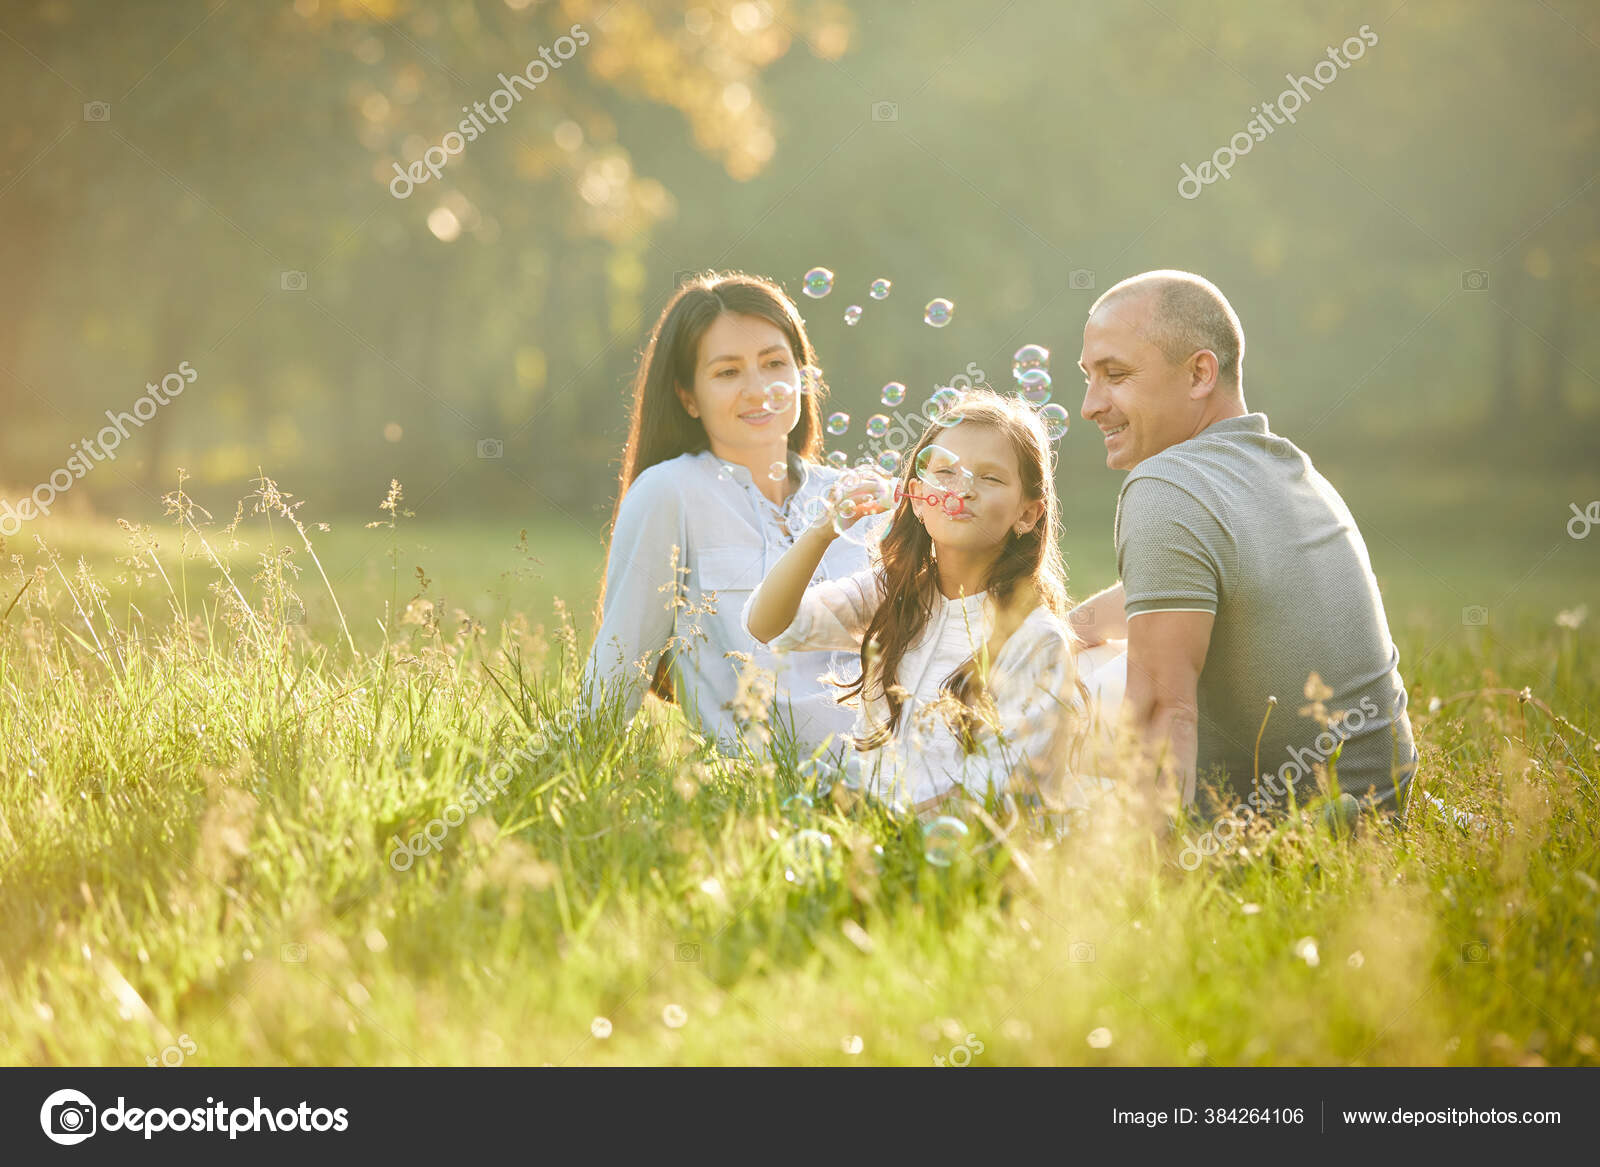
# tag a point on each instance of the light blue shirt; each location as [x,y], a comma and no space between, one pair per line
[708,519]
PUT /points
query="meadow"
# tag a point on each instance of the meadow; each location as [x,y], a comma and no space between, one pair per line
[214,737]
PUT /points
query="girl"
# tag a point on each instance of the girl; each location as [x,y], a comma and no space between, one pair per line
[720,469]
[968,682]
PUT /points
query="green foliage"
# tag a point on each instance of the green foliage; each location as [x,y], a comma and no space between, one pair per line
[204,805]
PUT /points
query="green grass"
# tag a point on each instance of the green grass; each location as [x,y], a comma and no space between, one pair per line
[197,806]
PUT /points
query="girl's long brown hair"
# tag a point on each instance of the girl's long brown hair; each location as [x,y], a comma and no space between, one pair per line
[659,428]
[1029,572]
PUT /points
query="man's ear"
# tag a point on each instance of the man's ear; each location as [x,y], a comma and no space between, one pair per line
[1203,371]
[686,399]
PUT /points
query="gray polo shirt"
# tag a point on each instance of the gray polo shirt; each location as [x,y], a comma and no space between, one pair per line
[1237,522]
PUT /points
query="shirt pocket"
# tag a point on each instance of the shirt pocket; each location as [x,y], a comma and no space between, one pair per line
[727,569]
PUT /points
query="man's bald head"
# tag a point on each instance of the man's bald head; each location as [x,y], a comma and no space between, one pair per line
[1182,314]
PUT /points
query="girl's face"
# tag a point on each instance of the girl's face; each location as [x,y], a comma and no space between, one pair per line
[994,507]
[739,357]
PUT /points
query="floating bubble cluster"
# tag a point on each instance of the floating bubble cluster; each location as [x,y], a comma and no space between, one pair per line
[818,282]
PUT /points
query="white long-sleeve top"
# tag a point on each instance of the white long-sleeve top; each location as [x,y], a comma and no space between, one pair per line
[1033,684]
[693,537]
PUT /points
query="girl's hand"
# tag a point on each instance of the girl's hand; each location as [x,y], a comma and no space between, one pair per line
[858,493]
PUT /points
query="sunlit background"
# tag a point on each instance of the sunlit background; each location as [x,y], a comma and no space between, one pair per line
[1416,259]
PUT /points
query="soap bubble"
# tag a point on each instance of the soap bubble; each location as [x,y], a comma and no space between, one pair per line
[778,397]
[778,471]
[879,289]
[942,840]
[844,514]
[938,313]
[874,493]
[877,426]
[797,804]
[838,423]
[810,379]
[806,856]
[942,470]
[814,509]
[1029,356]
[818,282]
[889,461]
[893,394]
[816,772]
[1033,386]
[852,314]
[940,408]
[838,459]
[1056,419]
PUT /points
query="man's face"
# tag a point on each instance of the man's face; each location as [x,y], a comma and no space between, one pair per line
[1141,401]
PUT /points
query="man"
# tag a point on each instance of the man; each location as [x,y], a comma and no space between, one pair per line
[1243,575]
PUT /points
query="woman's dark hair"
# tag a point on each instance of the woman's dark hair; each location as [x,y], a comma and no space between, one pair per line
[659,428]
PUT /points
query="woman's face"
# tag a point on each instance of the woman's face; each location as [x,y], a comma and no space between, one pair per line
[739,357]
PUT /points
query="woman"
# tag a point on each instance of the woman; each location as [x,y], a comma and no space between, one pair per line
[720,474]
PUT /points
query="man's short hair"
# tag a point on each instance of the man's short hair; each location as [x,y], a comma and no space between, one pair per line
[1187,313]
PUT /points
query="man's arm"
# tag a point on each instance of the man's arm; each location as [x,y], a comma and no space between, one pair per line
[1099,618]
[1166,651]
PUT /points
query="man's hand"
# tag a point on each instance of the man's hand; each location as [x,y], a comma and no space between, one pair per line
[1166,651]
[1099,618]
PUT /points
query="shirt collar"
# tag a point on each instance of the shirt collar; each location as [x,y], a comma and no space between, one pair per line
[1249,423]
[798,469]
